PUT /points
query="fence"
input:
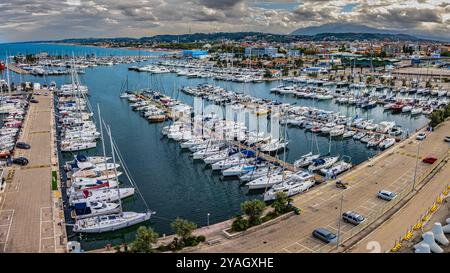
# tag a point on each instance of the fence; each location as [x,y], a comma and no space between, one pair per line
[422,221]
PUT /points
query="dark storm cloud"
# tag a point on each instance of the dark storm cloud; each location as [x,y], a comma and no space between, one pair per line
[222,4]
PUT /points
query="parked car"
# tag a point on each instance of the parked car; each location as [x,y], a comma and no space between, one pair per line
[22,161]
[353,218]
[447,139]
[386,195]
[429,159]
[23,145]
[34,101]
[421,136]
[325,235]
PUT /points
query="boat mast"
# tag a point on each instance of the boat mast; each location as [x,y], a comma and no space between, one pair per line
[103,144]
[115,168]
[285,135]
[7,75]
[78,95]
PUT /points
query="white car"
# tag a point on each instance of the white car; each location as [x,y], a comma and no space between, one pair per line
[421,136]
[386,195]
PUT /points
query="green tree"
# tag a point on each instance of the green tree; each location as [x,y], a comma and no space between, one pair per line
[239,224]
[253,209]
[436,117]
[281,203]
[298,63]
[267,74]
[183,228]
[145,238]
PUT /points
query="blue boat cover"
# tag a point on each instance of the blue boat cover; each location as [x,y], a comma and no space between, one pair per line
[81,205]
[318,161]
[81,158]
[248,153]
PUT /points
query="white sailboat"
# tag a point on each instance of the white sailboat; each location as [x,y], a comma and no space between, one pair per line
[323,162]
[290,187]
[111,222]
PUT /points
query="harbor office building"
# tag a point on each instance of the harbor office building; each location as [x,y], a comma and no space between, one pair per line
[261,51]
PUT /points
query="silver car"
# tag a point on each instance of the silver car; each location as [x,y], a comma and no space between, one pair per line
[386,195]
[353,217]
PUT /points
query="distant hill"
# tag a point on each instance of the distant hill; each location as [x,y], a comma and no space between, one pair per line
[339,28]
[313,34]
[347,28]
[361,36]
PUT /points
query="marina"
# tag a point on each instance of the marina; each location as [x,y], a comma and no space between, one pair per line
[322,136]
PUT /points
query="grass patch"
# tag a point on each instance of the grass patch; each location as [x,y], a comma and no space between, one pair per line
[54,181]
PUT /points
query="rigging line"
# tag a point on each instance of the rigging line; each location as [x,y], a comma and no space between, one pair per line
[127,172]
[123,163]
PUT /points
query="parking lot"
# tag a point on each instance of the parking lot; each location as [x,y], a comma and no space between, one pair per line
[393,170]
[26,217]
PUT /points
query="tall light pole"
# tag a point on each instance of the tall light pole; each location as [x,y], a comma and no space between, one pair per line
[415,169]
[339,222]
[207,219]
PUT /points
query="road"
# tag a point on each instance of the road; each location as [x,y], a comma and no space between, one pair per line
[26,210]
[396,226]
[392,170]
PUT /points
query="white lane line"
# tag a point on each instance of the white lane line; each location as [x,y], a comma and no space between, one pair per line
[9,229]
[305,247]
[40,230]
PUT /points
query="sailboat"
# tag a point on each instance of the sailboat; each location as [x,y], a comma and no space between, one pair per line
[111,222]
[307,159]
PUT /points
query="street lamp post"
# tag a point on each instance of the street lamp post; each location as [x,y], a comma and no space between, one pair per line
[207,219]
[415,169]
[339,223]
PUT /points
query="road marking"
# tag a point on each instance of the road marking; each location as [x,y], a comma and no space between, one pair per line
[35,167]
[305,247]
[9,228]
[39,132]
[40,228]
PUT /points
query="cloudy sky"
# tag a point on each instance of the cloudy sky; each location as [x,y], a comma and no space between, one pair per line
[57,19]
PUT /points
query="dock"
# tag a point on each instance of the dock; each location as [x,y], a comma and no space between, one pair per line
[31,210]
[17,70]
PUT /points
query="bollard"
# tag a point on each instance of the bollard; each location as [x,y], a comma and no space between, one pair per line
[433,208]
[418,225]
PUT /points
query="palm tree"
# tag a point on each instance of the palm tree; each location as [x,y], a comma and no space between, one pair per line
[253,209]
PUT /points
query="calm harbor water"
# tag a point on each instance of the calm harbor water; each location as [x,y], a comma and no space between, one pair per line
[171,183]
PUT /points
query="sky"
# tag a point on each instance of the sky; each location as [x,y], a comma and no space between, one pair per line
[25,20]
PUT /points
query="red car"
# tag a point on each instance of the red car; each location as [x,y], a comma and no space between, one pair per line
[429,159]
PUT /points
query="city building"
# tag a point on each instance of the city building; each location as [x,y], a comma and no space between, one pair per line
[259,51]
[194,53]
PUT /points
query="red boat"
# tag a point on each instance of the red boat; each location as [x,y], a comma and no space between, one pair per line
[2,66]
[397,107]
